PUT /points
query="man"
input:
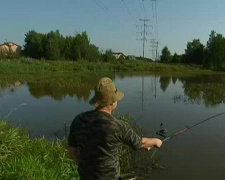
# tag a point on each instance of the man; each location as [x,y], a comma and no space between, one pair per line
[95,136]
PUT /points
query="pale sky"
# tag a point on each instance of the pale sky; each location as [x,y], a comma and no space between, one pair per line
[114,24]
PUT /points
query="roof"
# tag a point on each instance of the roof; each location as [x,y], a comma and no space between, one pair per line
[118,53]
[7,44]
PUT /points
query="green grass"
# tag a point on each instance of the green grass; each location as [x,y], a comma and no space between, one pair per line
[27,65]
[24,158]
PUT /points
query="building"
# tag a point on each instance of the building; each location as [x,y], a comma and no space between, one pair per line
[119,55]
[10,46]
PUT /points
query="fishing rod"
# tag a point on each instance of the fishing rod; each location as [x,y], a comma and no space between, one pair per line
[190,127]
[162,131]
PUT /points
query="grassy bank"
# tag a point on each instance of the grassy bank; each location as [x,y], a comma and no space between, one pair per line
[23,158]
[26,65]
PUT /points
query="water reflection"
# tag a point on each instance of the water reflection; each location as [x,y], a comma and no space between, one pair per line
[174,79]
[207,89]
[58,91]
[57,87]
[164,82]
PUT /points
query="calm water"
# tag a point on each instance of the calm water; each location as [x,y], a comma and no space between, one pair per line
[175,101]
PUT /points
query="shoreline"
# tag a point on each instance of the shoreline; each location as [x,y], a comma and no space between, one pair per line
[26,65]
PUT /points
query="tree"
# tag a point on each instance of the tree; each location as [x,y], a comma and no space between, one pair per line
[93,53]
[194,52]
[176,58]
[34,44]
[53,45]
[215,52]
[166,55]
[108,56]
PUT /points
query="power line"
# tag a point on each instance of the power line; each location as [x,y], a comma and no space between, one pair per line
[127,9]
[101,7]
[153,13]
[155,54]
[144,8]
[154,9]
[155,16]
[135,11]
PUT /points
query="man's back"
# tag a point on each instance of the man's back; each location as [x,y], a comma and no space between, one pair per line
[97,136]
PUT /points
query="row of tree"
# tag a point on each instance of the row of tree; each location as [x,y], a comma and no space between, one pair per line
[54,46]
[210,56]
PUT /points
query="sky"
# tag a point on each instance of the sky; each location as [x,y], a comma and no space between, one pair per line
[115,24]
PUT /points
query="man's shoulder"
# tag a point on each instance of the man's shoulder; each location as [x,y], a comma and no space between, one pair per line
[120,122]
[94,115]
[85,114]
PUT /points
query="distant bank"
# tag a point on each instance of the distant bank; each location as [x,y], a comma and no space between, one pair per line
[27,65]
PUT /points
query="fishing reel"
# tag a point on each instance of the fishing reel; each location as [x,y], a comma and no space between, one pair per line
[162,131]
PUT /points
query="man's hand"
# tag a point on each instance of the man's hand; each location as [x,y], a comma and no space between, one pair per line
[158,143]
[147,143]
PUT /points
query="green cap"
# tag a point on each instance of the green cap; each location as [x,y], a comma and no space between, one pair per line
[106,93]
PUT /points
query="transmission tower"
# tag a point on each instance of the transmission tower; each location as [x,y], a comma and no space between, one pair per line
[144,33]
[154,46]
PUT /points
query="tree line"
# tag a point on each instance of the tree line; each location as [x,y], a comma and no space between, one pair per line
[211,56]
[55,46]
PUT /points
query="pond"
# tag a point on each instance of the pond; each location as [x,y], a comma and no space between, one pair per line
[46,105]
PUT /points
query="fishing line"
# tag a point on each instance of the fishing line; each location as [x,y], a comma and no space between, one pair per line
[14,109]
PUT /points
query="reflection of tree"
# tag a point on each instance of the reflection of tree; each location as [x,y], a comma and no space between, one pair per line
[59,90]
[208,88]
[193,91]
[57,86]
[214,94]
[174,79]
[164,82]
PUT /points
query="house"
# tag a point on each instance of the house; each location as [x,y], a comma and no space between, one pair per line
[10,46]
[119,55]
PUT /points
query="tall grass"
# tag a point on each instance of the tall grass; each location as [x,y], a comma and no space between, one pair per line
[24,158]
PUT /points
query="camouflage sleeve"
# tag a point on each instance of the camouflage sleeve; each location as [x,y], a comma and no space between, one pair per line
[129,137]
[71,138]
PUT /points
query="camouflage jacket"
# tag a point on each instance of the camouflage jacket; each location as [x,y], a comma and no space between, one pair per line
[97,137]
